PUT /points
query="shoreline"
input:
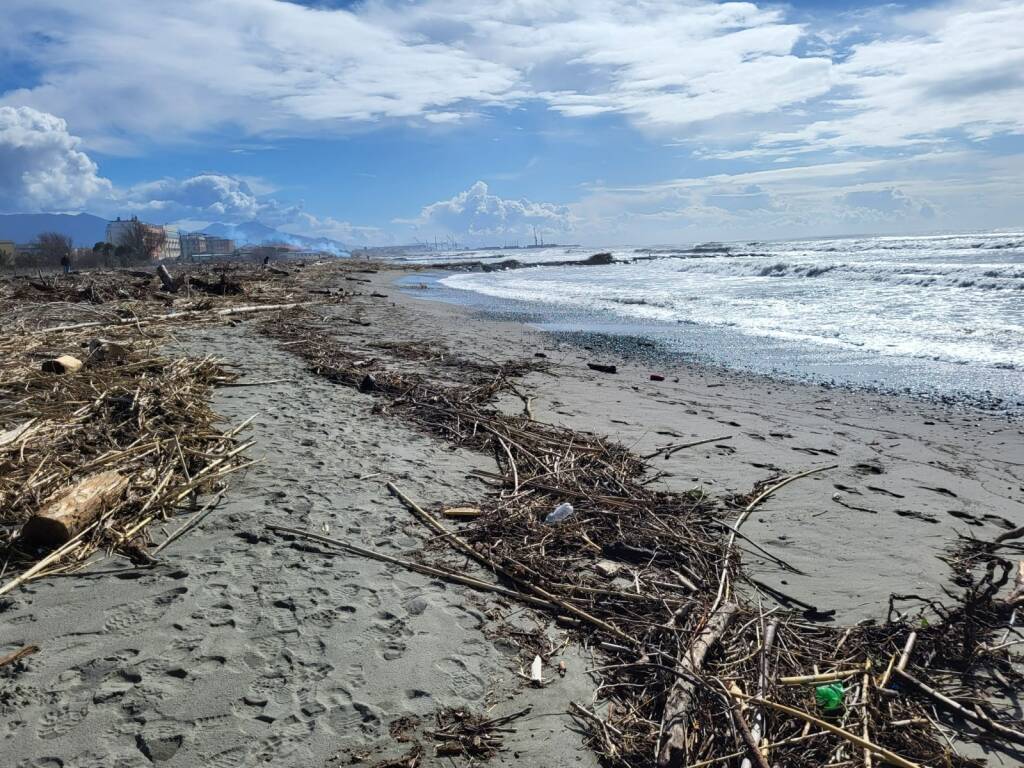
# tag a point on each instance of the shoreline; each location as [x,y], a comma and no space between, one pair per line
[245,645]
[913,476]
[772,359]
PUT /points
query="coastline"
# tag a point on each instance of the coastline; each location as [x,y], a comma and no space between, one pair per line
[994,389]
[913,475]
[246,647]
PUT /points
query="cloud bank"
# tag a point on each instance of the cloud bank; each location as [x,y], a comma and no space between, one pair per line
[132,71]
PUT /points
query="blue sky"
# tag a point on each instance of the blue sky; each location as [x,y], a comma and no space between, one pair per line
[601,122]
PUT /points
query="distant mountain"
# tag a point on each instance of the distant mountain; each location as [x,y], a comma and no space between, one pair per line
[257,233]
[83,228]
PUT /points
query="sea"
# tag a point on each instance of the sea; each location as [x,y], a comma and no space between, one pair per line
[939,316]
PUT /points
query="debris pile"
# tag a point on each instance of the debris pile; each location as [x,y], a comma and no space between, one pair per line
[102,432]
[692,669]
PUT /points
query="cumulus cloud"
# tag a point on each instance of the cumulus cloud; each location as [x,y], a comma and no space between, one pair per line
[42,167]
[477,213]
[209,196]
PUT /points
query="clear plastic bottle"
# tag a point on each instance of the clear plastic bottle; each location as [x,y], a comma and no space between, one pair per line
[561,512]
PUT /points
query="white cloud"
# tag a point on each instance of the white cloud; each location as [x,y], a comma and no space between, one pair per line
[478,214]
[123,69]
[954,69]
[126,71]
[208,196]
[42,167]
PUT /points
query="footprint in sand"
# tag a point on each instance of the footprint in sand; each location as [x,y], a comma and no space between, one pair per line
[461,681]
[59,722]
[123,617]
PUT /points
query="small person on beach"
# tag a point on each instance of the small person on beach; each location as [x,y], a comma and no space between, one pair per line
[65,262]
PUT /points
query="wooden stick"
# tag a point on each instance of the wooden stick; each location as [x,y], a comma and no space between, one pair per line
[853,738]
[984,721]
[57,554]
[866,712]
[21,653]
[908,648]
[743,516]
[458,542]
[668,450]
[191,523]
[758,728]
[413,566]
[824,677]
[176,316]
[748,737]
[675,724]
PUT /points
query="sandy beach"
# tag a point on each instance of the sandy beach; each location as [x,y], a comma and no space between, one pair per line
[242,647]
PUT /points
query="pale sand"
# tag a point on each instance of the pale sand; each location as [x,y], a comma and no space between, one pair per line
[247,649]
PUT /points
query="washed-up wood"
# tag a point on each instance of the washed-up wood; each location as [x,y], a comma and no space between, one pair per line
[974,715]
[675,724]
[823,677]
[166,279]
[427,570]
[63,517]
[12,436]
[19,654]
[602,368]
[853,738]
[62,364]
[461,512]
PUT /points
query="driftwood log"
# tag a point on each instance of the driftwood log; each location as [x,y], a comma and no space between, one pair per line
[19,654]
[681,696]
[62,364]
[169,283]
[71,511]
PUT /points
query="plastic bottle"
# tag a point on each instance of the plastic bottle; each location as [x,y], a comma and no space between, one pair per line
[562,511]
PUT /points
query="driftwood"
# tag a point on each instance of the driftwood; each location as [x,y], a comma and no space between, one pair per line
[602,368]
[757,729]
[427,570]
[853,738]
[21,653]
[71,512]
[62,364]
[974,715]
[169,283]
[682,694]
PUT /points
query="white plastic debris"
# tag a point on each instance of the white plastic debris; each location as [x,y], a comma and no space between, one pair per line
[561,512]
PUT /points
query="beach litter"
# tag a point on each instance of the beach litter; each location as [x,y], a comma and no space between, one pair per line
[98,446]
[694,667]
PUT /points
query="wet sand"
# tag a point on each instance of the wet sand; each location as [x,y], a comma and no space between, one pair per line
[244,648]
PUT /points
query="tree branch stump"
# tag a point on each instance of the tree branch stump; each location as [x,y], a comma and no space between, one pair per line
[66,514]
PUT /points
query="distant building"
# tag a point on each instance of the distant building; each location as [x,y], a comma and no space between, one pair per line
[119,231]
[219,246]
[199,244]
[193,244]
[7,250]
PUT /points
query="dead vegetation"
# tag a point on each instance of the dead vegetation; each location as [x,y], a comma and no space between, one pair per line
[102,432]
[691,668]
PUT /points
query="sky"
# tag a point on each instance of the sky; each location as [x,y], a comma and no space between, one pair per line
[595,122]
